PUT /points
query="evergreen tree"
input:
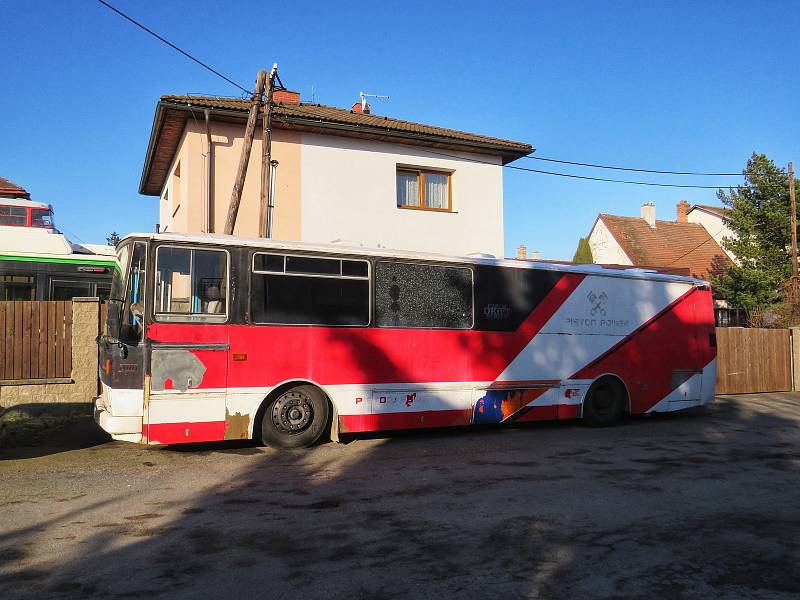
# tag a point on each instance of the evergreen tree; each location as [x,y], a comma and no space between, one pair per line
[761,222]
[583,254]
[113,239]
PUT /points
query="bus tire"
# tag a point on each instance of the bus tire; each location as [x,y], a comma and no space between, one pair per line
[604,403]
[296,418]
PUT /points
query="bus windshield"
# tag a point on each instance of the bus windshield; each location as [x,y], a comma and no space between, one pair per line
[118,279]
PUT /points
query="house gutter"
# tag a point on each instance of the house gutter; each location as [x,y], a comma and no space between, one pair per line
[209,174]
[155,132]
[507,154]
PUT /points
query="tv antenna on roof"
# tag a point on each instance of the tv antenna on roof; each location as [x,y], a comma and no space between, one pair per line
[364,99]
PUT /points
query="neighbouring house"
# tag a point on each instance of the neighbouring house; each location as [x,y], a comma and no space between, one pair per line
[713,219]
[342,175]
[9,189]
[646,241]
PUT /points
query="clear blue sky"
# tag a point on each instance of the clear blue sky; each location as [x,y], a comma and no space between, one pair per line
[663,85]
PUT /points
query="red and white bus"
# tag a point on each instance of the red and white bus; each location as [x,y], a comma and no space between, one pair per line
[213,337]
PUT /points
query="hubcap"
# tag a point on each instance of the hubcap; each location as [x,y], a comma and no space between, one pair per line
[292,413]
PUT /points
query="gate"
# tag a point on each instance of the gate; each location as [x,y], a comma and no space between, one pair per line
[753,360]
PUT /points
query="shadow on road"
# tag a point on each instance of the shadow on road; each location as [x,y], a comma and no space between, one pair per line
[696,504]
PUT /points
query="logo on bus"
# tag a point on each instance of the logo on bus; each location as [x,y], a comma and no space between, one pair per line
[496,311]
[598,302]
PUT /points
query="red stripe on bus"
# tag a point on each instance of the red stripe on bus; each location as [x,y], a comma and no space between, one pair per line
[359,355]
[677,339]
[410,420]
[178,433]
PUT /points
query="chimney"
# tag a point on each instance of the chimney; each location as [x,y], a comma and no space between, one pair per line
[361,107]
[648,213]
[522,252]
[286,97]
[683,211]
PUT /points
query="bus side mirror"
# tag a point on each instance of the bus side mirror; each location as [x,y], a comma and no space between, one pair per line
[113,319]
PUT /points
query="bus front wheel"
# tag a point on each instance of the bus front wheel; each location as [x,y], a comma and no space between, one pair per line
[296,418]
[604,403]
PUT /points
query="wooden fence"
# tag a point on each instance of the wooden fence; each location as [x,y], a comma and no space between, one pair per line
[35,340]
[753,360]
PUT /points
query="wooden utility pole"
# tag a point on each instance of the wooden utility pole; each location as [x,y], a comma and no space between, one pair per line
[264,214]
[236,195]
[793,205]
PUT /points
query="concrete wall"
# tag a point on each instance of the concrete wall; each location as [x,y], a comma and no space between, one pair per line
[81,387]
[605,249]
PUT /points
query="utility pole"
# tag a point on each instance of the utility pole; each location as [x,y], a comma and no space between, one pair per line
[793,205]
[265,214]
[236,194]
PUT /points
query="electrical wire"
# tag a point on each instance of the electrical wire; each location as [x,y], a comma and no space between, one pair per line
[174,47]
[517,168]
[580,164]
[712,237]
[299,108]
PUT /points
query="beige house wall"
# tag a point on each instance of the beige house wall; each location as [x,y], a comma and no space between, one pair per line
[188,195]
[81,387]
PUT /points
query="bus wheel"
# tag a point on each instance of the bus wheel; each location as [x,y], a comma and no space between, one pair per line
[604,403]
[295,419]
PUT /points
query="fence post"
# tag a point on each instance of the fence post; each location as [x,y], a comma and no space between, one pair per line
[794,333]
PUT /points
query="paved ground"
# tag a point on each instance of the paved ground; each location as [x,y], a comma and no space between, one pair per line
[703,504]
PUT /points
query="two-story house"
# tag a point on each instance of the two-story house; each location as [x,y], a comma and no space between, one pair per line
[342,174]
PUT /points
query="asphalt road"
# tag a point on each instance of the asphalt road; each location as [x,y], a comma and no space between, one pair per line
[701,504]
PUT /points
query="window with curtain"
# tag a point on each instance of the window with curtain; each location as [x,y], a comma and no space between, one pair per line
[424,190]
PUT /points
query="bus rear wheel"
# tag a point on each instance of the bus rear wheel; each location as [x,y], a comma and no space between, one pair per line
[296,418]
[604,403]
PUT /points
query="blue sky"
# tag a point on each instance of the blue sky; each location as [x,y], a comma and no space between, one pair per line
[695,86]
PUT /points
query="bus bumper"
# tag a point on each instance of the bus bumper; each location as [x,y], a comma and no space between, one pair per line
[128,429]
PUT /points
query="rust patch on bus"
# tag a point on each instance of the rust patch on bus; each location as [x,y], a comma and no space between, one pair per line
[237,426]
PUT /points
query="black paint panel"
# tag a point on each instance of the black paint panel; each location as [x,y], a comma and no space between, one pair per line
[505,296]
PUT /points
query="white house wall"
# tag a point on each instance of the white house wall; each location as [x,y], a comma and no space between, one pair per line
[714,225]
[349,193]
[605,249]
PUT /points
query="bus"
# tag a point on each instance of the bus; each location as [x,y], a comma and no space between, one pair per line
[213,337]
[38,262]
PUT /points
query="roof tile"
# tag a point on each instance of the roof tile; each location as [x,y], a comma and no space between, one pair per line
[669,244]
[330,114]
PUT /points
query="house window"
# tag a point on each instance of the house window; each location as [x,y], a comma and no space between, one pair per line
[423,189]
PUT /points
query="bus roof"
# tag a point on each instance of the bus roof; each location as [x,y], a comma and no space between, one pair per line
[23,202]
[344,248]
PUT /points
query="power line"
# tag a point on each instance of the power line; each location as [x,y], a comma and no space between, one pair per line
[174,47]
[696,247]
[580,164]
[299,108]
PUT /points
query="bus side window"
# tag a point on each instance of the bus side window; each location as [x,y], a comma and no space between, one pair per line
[417,295]
[191,283]
[309,290]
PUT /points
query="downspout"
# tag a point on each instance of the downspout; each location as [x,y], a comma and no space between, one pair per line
[209,174]
[273,177]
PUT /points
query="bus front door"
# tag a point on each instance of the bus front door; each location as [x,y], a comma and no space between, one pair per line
[187,392]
